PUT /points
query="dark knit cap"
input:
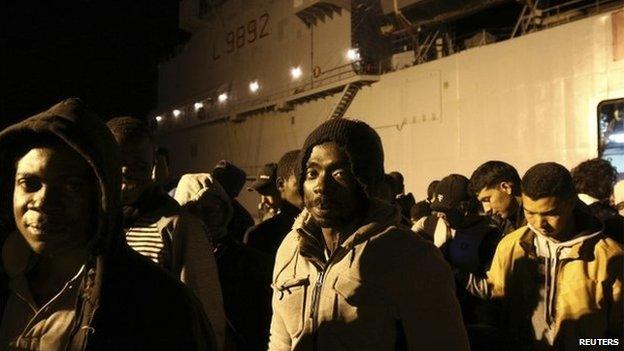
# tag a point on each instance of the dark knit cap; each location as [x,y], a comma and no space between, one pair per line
[362,145]
[231,178]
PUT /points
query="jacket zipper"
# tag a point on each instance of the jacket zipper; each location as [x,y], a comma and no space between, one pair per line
[315,299]
[316,294]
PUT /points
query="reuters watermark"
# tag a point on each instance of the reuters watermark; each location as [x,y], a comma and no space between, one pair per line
[599,342]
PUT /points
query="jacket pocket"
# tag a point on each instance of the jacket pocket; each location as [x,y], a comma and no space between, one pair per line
[355,300]
[290,303]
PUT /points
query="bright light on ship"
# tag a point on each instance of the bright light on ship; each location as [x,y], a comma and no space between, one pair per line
[254,86]
[617,138]
[158,118]
[353,54]
[198,105]
[296,72]
[177,113]
[223,97]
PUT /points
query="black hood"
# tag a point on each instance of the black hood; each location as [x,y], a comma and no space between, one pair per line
[74,125]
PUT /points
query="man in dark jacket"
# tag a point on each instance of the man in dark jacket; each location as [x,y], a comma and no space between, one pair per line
[496,185]
[268,235]
[421,210]
[265,186]
[158,228]
[468,241]
[594,181]
[232,179]
[68,279]
[243,271]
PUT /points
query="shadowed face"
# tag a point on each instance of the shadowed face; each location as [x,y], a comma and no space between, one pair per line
[137,157]
[289,190]
[330,191]
[54,200]
[550,216]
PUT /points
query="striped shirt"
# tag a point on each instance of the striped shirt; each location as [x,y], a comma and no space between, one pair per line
[145,238]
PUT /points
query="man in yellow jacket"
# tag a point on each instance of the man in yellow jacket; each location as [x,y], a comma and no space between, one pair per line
[559,279]
[349,276]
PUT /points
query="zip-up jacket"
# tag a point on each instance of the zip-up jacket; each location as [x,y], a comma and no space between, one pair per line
[554,294]
[383,288]
[125,301]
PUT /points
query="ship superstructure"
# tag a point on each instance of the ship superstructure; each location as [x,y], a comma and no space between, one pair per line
[257,76]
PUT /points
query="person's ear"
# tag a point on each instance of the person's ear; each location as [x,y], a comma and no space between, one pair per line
[506,187]
[280,183]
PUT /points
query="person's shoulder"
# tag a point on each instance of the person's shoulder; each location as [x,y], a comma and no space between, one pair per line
[608,246]
[400,253]
[259,231]
[134,281]
[265,225]
[138,294]
[138,274]
[400,242]
[288,247]
[512,239]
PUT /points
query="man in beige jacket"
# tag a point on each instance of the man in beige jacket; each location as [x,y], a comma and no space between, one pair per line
[349,276]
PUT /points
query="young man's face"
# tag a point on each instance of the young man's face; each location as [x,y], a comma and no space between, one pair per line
[498,200]
[54,200]
[137,159]
[550,216]
[289,190]
[330,191]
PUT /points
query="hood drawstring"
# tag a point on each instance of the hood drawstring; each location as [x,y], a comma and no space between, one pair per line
[553,252]
[550,285]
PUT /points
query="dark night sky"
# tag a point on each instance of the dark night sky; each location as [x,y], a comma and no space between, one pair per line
[105,52]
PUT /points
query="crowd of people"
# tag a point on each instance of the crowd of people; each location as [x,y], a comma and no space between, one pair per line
[102,251]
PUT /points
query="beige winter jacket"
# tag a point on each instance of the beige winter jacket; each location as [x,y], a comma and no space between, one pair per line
[382,282]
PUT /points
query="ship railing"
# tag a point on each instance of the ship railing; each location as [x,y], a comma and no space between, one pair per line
[213,111]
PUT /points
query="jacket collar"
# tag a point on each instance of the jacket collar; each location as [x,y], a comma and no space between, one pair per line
[590,229]
[380,215]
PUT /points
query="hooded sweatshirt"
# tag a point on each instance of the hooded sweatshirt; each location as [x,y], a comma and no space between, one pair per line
[554,293]
[551,253]
[202,193]
[124,301]
[244,273]
[383,288]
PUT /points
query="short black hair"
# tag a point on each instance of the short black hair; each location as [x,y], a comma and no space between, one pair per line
[129,128]
[287,164]
[492,173]
[397,185]
[595,177]
[548,179]
[431,189]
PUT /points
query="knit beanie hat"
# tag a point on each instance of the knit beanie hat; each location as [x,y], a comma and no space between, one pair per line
[231,178]
[362,145]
